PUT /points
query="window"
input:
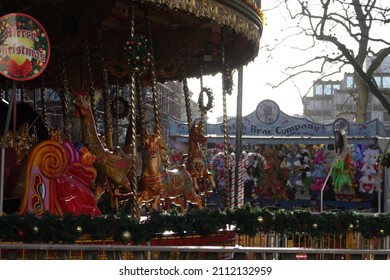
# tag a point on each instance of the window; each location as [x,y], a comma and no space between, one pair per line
[350,82]
[386,82]
[378,81]
[325,89]
[318,90]
[328,89]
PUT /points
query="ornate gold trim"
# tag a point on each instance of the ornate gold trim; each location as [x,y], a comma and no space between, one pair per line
[221,14]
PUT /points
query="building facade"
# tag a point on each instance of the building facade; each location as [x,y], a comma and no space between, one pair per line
[337,99]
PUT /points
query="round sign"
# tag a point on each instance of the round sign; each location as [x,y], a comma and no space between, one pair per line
[267,111]
[24,47]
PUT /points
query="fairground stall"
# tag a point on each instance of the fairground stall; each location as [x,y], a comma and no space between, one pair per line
[291,162]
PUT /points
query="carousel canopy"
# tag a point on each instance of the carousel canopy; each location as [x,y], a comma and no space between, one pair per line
[188,38]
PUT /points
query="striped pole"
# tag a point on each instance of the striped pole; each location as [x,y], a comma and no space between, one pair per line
[240,186]
[232,165]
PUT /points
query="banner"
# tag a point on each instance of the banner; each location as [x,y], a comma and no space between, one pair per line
[269,121]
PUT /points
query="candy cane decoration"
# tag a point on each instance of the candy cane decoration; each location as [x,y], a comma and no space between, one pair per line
[217,156]
[259,156]
[260,160]
[232,165]
[241,174]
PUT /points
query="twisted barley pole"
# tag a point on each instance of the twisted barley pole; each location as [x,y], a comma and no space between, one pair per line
[141,111]
[106,94]
[225,91]
[90,76]
[157,117]
[64,97]
[133,121]
[188,102]
[43,101]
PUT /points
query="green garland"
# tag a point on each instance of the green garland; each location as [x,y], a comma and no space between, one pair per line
[125,107]
[227,78]
[246,221]
[138,54]
[210,99]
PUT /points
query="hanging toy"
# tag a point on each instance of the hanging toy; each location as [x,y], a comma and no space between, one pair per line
[342,180]
[369,168]
[319,174]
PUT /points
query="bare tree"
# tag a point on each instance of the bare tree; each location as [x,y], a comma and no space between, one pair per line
[350,31]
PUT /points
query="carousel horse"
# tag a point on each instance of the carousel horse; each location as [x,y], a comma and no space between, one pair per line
[110,166]
[196,162]
[172,185]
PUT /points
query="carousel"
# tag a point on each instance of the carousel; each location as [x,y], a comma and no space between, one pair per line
[73,73]
[96,57]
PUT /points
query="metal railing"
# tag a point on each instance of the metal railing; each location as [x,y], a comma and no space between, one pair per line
[261,247]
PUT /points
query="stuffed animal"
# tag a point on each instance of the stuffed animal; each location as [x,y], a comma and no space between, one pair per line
[341,174]
[367,183]
[369,168]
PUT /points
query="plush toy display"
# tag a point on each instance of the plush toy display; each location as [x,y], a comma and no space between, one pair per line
[369,169]
[319,175]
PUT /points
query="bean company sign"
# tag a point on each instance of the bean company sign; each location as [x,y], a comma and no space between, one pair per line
[269,120]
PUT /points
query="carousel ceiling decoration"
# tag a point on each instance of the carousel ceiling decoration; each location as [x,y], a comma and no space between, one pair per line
[187,35]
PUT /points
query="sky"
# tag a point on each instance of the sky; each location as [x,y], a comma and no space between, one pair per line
[256,76]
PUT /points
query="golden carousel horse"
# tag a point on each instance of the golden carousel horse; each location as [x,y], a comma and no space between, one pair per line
[196,162]
[172,185]
[112,166]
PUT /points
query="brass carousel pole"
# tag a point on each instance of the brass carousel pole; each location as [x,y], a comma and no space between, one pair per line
[141,118]
[201,100]
[225,91]
[64,97]
[90,76]
[106,95]
[116,114]
[238,134]
[43,101]
[157,117]
[188,102]
[203,119]
[132,136]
